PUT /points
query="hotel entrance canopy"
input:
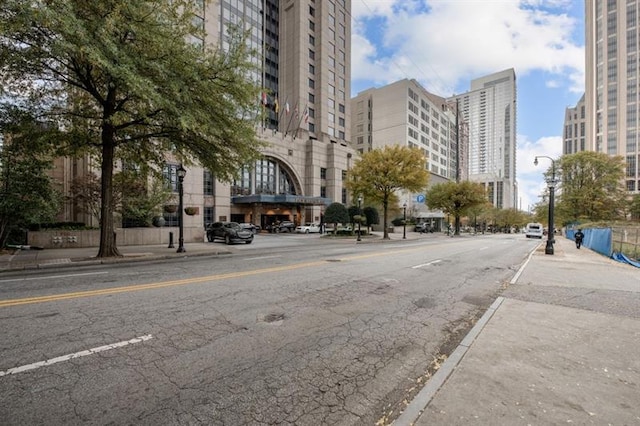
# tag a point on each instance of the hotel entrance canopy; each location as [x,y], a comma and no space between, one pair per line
[281,199]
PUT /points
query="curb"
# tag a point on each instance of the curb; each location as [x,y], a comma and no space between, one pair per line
[415,409]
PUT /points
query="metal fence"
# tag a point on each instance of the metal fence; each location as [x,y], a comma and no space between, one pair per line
[626,241]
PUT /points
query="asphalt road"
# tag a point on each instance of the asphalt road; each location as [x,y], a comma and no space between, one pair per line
[289,330]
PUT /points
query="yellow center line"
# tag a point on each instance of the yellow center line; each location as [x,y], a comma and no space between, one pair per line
[173,283]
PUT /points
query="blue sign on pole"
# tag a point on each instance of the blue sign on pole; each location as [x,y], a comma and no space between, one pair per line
[420,198]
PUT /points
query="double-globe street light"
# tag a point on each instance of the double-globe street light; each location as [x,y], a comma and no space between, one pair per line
[552,185]
[181,174]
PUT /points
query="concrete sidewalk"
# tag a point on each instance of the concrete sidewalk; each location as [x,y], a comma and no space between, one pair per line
[562,346]
[65,257]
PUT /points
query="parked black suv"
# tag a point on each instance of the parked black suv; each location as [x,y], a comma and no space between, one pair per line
[230,232]
[285,226]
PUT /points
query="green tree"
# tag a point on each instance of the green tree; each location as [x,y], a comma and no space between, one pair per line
[508,218]
[27,194]
[336,213]
[125,81]
[591,186]
[379,173]
[634,207]
[456,198]
[371,215]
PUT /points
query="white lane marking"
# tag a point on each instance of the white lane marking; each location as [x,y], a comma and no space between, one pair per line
[483,248]
[427,264]
[63,358]
[48,277]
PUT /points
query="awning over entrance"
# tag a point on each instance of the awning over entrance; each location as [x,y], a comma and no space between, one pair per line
[281,199]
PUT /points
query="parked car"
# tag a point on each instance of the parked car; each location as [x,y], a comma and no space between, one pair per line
[230,232]
[285,226]
[534,230]
[423,227]
[250,226]
[308,228]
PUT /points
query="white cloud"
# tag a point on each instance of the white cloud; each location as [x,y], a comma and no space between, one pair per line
[531,182]
[459,40]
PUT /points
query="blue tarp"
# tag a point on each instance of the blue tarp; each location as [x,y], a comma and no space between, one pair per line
[596,239]
[624,259]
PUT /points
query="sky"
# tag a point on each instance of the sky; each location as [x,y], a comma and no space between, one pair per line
[444,44]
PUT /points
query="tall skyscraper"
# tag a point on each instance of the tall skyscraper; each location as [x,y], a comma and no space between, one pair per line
[303,51]
[489,108]
[404,113]
[575,123]
[611,91]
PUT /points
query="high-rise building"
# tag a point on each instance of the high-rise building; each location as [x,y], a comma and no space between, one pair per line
[489,108]
[404,113]
[303,56]
[575,123]
[611,90]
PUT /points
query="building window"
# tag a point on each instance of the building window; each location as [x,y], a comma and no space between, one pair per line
[341,121]
[312,84]
[312,54]
[312,25]
[207,215]
[323,191]
[207,183]
[341,108]
[344,195]
[312,11]
[312,69]
[312,40]
[170,176]
[323,173]
[312,98]
[312,113]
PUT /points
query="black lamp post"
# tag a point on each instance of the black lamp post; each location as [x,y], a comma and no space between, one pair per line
[404,221]
[552,185]
[181,174]
[359,216]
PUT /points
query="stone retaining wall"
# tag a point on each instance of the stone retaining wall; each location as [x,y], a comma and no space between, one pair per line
[124,237]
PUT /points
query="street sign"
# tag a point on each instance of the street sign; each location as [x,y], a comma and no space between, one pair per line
[420,198]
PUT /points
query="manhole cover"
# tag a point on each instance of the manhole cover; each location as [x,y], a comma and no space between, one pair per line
[274,317]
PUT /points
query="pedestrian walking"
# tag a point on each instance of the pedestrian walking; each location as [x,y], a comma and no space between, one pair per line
[579,236]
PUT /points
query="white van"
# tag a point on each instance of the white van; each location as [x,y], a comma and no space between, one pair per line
[534,230]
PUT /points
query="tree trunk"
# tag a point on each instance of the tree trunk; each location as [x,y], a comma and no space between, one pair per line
[385,217]
[107,233]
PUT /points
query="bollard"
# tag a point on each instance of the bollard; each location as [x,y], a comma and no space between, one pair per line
[171,240]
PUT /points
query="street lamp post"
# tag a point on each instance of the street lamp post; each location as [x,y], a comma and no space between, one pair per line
[181,174]
[552,185]
[404,221]
[359,216]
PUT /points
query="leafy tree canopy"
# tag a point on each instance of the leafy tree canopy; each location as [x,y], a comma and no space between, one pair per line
[379,173]
[456,198]
[336,213]
[591,186]
[27,193]
[125,81]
